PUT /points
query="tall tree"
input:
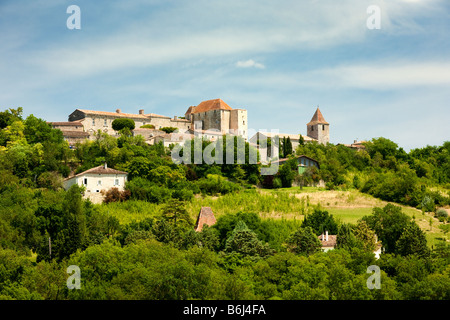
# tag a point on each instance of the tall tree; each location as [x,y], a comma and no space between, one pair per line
[304,241]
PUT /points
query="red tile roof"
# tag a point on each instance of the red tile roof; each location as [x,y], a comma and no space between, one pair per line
[317,118]
[216,104]
[205,216]
[98,170]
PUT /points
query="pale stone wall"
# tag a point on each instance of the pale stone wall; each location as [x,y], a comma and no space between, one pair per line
[320,132]
[96,183]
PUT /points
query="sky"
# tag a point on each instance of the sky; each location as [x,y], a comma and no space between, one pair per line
[277,59]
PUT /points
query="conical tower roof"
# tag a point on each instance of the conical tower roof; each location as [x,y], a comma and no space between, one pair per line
[317,118]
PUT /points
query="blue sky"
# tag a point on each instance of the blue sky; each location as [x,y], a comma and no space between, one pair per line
[277,59]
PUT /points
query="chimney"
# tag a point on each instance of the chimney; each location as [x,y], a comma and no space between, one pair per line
[322,237]
[141,111]
[175,117]
[326,235]
[105,166]
[117,110]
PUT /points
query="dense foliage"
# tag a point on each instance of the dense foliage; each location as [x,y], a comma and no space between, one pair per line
[44,228]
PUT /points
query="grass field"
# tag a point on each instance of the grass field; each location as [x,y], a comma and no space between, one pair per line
[288,203]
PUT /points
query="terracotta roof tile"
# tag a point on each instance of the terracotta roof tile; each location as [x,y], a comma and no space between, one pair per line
[216,104]
[205,216]
[317,118]
[98,170]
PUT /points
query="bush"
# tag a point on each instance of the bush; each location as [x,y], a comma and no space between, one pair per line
[115,195]
[441,214]
[119,124]
[276,183]
[168,129]
[148,126]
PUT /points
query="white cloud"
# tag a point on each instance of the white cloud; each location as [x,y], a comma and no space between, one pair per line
[250,64]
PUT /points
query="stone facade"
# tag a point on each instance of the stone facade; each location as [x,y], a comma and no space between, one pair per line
[73,132]
[208,115]
[318,128]
[97,181]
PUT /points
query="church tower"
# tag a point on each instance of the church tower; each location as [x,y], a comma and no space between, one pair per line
[318,128]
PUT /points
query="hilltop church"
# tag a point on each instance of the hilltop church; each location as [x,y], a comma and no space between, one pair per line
[316,130]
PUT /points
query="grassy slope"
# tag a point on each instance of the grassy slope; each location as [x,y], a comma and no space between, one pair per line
[288,203]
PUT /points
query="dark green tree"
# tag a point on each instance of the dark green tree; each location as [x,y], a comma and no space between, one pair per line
[412,241]
[320,221]
[304,241]
[122,123]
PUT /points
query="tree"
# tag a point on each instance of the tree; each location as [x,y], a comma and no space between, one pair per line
[168,129]
[288,148]
[244,241]
[176,214]
[304,241]
[320,221]
[365,235]
[345,237]
[122,123]
[388,223]
[286,175]
[301,140]
[412,241]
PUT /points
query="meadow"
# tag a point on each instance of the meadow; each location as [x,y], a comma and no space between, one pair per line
[279,204]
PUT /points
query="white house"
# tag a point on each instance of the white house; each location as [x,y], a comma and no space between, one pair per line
[97,181]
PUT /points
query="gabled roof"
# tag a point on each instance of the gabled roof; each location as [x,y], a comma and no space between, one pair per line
[317,118]
[331,243]
[98,170]
[205,216]
[208,105]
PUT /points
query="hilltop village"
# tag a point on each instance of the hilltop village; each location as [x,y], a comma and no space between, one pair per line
[210,118]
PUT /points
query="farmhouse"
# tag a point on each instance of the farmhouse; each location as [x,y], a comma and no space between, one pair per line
[328,241]
[303,163]
[97,181]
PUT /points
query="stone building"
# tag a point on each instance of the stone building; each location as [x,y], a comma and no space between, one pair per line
[216,115]
[102,120]
[97,181]
[73,131]
[208,115]
[318,128]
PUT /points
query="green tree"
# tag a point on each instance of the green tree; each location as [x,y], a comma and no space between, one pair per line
[176,214]
[244,241]
[320,221]
[412,241]
[304,241]
[122,123]
[388,223]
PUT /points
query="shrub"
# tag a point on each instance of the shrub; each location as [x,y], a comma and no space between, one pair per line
[119,124]
[115,195]
[148,126]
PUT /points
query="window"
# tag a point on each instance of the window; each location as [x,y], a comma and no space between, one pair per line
[312,128]
[93,122]
[105,123]
[99,182]
[323,127]
[116,182]
[85,181]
